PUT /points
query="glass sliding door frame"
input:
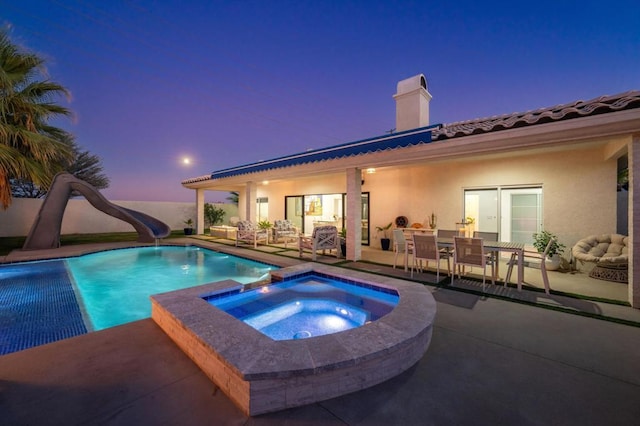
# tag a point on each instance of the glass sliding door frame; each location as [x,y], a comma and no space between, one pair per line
[521,213]
[364,216]
[293,210]
[515,212]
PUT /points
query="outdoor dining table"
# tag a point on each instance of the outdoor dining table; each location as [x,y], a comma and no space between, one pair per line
[506,246]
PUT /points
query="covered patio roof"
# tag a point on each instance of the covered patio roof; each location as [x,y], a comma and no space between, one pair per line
[365,146]
[476,136]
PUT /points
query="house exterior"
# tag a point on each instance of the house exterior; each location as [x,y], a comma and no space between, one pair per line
[554,168]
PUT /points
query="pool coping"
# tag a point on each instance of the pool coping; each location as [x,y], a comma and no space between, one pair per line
[262,375]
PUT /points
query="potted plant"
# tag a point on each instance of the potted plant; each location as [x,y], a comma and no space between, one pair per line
[188,230]
[385,241]
[470,227]
[264,225]
[343,241]
[540,241]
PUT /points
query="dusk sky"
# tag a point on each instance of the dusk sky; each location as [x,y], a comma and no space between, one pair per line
[228,83]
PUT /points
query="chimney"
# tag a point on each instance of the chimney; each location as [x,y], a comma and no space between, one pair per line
[412,103]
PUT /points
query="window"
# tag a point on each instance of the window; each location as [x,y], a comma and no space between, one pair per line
[262,208]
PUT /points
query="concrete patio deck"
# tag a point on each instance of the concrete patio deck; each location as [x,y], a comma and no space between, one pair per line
[491,361]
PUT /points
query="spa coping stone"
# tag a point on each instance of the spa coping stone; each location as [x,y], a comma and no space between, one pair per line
[261,375]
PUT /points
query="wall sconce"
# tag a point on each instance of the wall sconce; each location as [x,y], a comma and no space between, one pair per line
[368,171]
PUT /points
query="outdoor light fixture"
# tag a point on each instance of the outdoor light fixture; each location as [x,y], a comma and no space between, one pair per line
[368,171]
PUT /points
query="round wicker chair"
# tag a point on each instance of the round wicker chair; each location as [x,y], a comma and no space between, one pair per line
[609,252]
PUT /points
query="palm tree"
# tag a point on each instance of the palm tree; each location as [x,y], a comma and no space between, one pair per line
[85,166]
[30,149]
[234,197]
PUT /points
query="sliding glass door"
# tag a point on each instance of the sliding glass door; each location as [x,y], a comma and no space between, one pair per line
[481,205]
[522,213]
[293,210]
[515,213]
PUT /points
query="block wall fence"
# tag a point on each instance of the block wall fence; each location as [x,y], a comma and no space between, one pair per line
[80,217]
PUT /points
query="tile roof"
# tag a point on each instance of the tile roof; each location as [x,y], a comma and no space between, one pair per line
[600,105]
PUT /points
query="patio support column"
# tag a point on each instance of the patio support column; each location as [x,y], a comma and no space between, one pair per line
[200,211]
[250,194]
[634,221]
[354,214]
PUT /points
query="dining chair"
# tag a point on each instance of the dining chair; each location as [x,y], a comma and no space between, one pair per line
[400,245]
[470,252]
[530,254]
[408,233]
[489,236]
[447,233]
[425,247]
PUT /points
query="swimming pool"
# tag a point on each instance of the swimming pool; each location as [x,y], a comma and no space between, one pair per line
[45,301]
[306,307]
[114,286]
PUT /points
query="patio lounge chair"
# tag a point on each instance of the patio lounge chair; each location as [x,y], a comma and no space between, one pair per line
[249,233]
[323,238]
[284,230]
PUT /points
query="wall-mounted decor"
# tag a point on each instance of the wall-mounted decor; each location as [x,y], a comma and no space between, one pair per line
[313,205]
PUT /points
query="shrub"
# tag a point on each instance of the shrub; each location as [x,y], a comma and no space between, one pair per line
[213,215]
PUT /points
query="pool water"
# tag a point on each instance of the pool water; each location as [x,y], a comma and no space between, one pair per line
[115,285]
[306,307]
[303,318]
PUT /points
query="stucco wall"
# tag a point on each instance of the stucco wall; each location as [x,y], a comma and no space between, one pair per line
[579,190]
[80,217]
[277,191]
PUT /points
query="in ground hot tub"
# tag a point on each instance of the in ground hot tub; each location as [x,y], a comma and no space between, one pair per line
[261,374]
[307,305]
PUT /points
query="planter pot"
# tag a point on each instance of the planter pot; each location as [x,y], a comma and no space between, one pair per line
[343,249]
[385,243]
[188,231]
[552,263]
